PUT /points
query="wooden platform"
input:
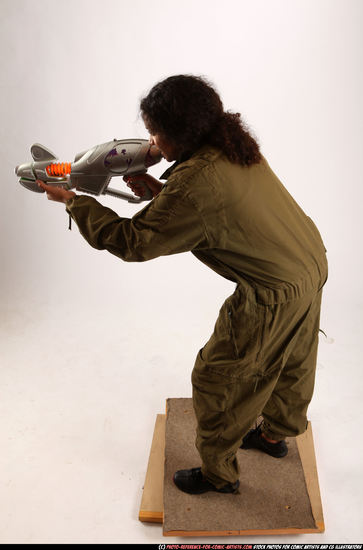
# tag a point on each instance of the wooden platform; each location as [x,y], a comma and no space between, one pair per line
[152,507]
[276,496]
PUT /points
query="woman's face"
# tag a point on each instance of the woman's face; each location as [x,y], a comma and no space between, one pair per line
[168,149]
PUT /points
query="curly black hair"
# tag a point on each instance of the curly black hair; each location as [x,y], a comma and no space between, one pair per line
[188,111]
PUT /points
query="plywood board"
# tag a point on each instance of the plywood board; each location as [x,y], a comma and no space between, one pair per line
[151,508]
[219,507]
[305,445]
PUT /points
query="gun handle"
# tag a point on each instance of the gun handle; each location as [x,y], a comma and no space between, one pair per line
[128,196]
[147,196]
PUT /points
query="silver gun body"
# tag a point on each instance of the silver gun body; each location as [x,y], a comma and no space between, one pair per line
[93,169]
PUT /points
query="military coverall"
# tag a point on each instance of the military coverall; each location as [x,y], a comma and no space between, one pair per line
[261,357]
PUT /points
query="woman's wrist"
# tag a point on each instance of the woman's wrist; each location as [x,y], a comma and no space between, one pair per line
[70,195]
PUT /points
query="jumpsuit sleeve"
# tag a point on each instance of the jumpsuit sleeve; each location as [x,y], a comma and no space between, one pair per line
[169,224]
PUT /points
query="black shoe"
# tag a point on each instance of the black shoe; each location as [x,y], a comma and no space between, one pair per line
[254,440]
[193,482]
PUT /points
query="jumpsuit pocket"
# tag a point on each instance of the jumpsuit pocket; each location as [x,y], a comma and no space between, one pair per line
[232,332]
[247,329]
[266,316]
[231,350]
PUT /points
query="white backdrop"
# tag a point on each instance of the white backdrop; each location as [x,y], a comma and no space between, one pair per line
[91,347]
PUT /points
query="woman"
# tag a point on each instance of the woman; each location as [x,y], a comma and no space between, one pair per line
[223,202]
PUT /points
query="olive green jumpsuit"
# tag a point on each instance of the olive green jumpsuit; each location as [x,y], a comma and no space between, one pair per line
[261,357]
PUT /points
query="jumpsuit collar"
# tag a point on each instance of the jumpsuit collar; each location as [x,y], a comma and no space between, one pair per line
[184,157]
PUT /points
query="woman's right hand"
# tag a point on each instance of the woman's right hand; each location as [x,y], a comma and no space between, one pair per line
[135,183]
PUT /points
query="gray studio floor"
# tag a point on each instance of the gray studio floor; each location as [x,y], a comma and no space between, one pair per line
[78,406]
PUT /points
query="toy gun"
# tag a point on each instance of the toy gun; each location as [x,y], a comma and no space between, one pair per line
[93,169]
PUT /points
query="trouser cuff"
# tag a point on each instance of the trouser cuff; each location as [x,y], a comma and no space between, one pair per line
[268,431]
[218,482]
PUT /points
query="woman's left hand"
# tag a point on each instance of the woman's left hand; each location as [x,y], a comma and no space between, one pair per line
[58,194]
